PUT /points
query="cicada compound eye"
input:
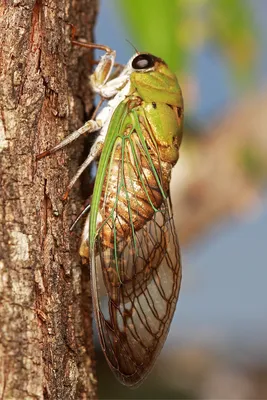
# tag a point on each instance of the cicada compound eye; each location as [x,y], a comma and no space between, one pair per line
[143,61]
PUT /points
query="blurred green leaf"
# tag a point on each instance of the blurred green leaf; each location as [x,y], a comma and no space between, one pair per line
[232,29]
[252,162]
[176,29]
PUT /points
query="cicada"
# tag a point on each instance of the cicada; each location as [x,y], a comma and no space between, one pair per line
[129,235]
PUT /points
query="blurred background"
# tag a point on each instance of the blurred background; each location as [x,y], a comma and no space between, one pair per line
[217,345]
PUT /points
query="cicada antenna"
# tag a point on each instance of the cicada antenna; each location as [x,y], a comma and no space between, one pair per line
[138,52]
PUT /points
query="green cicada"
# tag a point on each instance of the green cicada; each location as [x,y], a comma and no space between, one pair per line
[129,235]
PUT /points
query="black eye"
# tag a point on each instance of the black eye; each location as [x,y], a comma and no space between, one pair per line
[143,61]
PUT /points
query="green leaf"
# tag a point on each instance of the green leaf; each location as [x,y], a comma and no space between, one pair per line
[233,30]
[176,29]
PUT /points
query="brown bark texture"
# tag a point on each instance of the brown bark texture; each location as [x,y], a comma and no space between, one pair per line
[46,349]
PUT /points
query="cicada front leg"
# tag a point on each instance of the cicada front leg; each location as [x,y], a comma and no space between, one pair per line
[105,80]
[98,81]
[89,126]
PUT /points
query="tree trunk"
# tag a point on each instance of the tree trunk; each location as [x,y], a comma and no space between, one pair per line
[46,348]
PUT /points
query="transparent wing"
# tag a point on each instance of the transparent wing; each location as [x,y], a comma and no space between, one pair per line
[139,269]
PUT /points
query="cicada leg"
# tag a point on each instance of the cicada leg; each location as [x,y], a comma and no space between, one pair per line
[104,67]
[98,80]
[101,74]
[84,211]
[107,89]
[89,126]
[118,68]
[103,81]
[94,153]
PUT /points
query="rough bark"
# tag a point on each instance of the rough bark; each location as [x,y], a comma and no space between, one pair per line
[46,346]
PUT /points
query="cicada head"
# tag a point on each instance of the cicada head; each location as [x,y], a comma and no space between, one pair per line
[154,81]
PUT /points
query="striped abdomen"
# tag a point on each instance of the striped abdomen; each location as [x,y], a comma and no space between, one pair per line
[133,189]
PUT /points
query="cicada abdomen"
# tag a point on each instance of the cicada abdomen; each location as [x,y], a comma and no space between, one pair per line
[136,183]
